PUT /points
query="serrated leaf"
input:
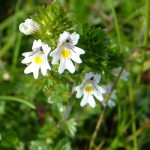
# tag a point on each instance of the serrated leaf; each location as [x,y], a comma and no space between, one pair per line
[69,127]
[63,144]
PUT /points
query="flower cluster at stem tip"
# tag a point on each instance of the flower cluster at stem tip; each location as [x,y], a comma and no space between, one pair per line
[65,54]
[66,51]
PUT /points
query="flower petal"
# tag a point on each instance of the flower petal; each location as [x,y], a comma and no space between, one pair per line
[124,75]
[75,57]
[113,95]
[78,50]
[36,71]
[88,76]
[27,54]
[54,52]
[97,78]
[55,60]
[79,90]
[63,37]
[46,48]
[36,44]
[29,68]
[62,65]
[79,94]
[84,101]
[70,66]
[91,100]
[104,103]
[98,92]
[111,103]
[27,60]
[32,68]
[43,68]
[74,38]
[98,95]
[88,98]
[98,88]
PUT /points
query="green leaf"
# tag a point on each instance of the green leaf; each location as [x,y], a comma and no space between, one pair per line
[63,144]
[10,98]
[69,127]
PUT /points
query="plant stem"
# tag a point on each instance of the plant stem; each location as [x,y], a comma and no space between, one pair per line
[133,118]
[116,25]
[99,122]
[100,119]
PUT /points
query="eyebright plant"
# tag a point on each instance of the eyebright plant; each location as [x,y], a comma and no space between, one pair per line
[58,31]
[77,62]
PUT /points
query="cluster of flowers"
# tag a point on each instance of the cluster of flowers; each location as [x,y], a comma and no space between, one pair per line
[65,53]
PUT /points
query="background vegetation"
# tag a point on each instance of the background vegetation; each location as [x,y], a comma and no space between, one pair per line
[42,114]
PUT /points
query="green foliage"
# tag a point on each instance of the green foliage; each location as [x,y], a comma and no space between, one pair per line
[99,51]
[53,21]
[69,128]
[38,146]
[63,144]
[79,8]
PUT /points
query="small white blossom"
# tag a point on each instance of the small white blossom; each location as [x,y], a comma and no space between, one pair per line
[29,27]
[124,75]
[109,102]
[90,88]
[37,59]
[66,51]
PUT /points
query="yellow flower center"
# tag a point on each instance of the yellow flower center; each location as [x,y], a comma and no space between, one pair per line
[88,89]
[65,53]
[38,60]
[106,96]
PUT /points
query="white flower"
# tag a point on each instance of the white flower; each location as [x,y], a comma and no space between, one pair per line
[37,59]
[29,26]
[124,75]
[109,102]
[66,50]
[90,88]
